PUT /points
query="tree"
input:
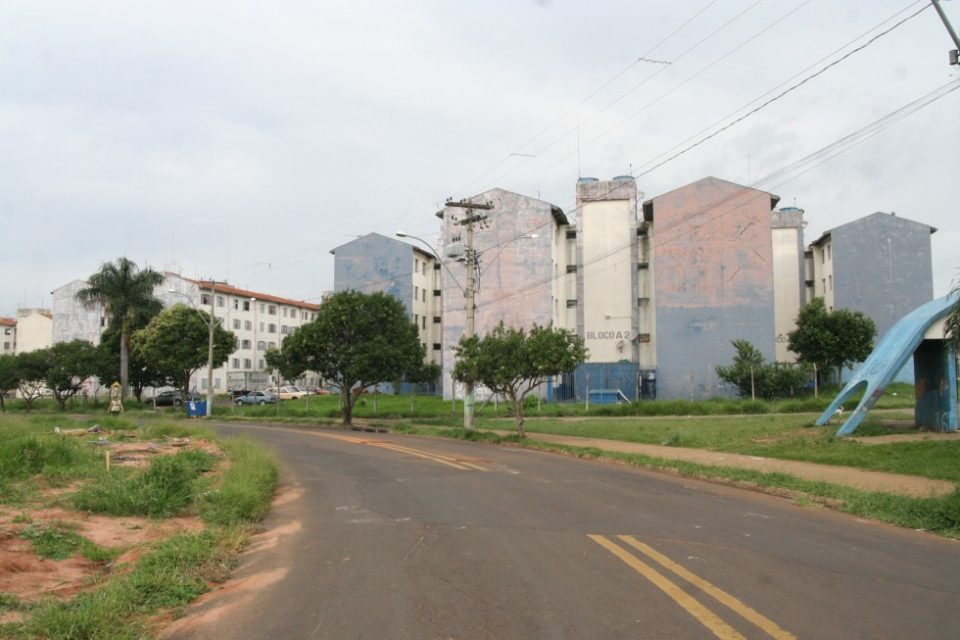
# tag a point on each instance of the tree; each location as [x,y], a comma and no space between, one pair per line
[69,364]
[753,376]
[9,377]
[176,341]
[32,373]
[126,294]
[513,363]
[357,340]
[834,339]
[952,323]
[141,373]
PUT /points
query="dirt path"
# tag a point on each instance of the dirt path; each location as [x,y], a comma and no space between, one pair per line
[913,486]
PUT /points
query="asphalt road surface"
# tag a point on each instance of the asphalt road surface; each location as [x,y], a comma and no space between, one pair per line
[380,536]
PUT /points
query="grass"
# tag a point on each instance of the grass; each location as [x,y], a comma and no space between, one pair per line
[175,570]
[166,488]
[58,541]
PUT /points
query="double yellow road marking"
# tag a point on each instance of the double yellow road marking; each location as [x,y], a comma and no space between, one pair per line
[443,459]
[705,616]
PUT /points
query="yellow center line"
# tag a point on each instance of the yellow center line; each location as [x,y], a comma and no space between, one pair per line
[440,456]
[428,455]
[715,592]
[703,615]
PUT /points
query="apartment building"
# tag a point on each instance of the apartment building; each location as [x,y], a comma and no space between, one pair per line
[521,255]
[409,273]
[880,265]
[8,336]
[259,320]
[34,329]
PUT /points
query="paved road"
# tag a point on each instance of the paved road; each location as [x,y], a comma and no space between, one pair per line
[392,537]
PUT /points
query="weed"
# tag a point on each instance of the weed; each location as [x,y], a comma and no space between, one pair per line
[22,518]
[246,487]
[57,541]
[167,487]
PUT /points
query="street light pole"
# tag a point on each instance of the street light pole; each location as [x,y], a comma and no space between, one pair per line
[213,294]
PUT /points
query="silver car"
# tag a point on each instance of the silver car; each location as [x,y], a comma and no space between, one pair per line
[256,397]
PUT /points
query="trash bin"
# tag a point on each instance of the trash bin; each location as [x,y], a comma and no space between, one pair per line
[196,408]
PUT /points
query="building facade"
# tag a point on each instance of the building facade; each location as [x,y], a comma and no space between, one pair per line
[34,329]
[880,265]
[8,336]
[410,274]
[712,246]
[521,252]
[260,321]
[788,276]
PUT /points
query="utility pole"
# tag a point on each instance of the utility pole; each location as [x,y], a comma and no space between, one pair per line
[953,34]
[213,294]
[472,217]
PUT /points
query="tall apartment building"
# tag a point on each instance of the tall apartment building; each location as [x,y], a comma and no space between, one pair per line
[788,275]
[522,254]
[711,243]
[375,262]
[879,265]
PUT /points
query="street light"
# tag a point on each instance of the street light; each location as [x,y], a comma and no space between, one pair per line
[210,322]
[468,294]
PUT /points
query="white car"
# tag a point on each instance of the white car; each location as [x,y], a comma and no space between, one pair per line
[289,392]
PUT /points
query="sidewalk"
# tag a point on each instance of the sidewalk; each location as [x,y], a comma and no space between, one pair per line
[912,486]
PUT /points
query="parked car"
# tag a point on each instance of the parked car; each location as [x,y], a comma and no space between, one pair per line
[256,397]
[170,398]
[289,392]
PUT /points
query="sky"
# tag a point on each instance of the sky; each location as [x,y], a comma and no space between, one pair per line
[242,141]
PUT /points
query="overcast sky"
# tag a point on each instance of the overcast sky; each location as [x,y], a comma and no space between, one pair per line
[244,140]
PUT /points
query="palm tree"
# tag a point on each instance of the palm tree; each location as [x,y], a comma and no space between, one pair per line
[126,294]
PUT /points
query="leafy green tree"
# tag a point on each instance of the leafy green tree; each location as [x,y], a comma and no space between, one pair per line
[9,377]
[512,362]
[69,365]
[176,341]
[834,339]
[32,367]
[753,376]
[141,373]
[952,326]
[357,340]
[126,294]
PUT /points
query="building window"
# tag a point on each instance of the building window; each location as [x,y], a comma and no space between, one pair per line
[436,292]
[262,326]
[236,323]
[261,363]
[830,282]
[271,345]
[424,345]
[423,322]
[236,363]
[828,252]
[246,305]
[261,345]
[423,295]
[236,304]
[571,303]
[244,344]
[436,346]
[204,299]
[272,310]
[824,283]
[271,328]
[220,301]
[436,319]
[416,265]
[416,292]
[416,319]
[247,364]
[247,325]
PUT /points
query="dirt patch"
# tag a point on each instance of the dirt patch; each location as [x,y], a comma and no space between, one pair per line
[28,577]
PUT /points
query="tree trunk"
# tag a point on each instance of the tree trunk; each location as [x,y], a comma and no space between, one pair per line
[347,400]
[518,414]
[124,362]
